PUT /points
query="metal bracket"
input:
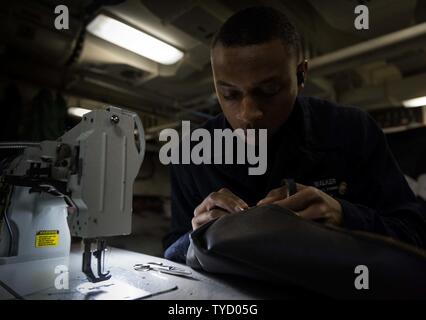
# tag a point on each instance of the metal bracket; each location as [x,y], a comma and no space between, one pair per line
[99,254]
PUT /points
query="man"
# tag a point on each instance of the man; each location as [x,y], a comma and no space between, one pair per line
[345,173]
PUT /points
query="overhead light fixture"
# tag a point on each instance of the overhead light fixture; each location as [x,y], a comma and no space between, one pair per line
[133,40]
[78,112]
[416,102]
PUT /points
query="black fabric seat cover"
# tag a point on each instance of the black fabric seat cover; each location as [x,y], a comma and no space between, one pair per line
[273,244]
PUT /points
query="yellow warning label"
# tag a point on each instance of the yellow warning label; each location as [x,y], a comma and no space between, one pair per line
[47,238]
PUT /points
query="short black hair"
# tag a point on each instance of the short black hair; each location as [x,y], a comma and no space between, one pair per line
[257,25]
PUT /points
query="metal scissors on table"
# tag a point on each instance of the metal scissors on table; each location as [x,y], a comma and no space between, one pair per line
[162,268]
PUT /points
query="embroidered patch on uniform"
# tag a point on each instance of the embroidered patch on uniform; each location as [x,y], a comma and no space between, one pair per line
[326,185]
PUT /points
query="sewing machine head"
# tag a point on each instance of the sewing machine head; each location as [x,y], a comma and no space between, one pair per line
[88,172]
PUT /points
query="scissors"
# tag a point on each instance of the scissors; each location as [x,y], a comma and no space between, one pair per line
[161,268]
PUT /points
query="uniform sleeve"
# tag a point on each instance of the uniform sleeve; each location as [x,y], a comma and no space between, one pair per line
[391,209]
[183,201]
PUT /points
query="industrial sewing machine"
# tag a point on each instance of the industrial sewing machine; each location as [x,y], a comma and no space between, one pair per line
[79,185]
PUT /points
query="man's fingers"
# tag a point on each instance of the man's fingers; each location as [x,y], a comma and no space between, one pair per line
[226,201]
[314,212]
[301,186]
[279,194]
[269,200]
[242,203]
[313,204]
[274,195]
[301,200]
[214,201]
[205,217]
[215,205]
[221,199]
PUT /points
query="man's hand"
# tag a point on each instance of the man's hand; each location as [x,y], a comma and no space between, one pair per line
[308,202]
[216,205]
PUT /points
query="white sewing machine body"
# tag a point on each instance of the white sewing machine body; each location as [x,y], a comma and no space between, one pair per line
[88,172]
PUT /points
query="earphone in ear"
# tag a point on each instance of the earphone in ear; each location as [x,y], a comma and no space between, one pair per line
[300,78]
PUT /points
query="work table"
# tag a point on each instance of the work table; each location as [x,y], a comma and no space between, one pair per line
[36,280]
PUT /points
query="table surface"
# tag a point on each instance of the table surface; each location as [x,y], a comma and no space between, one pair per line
[36,279]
